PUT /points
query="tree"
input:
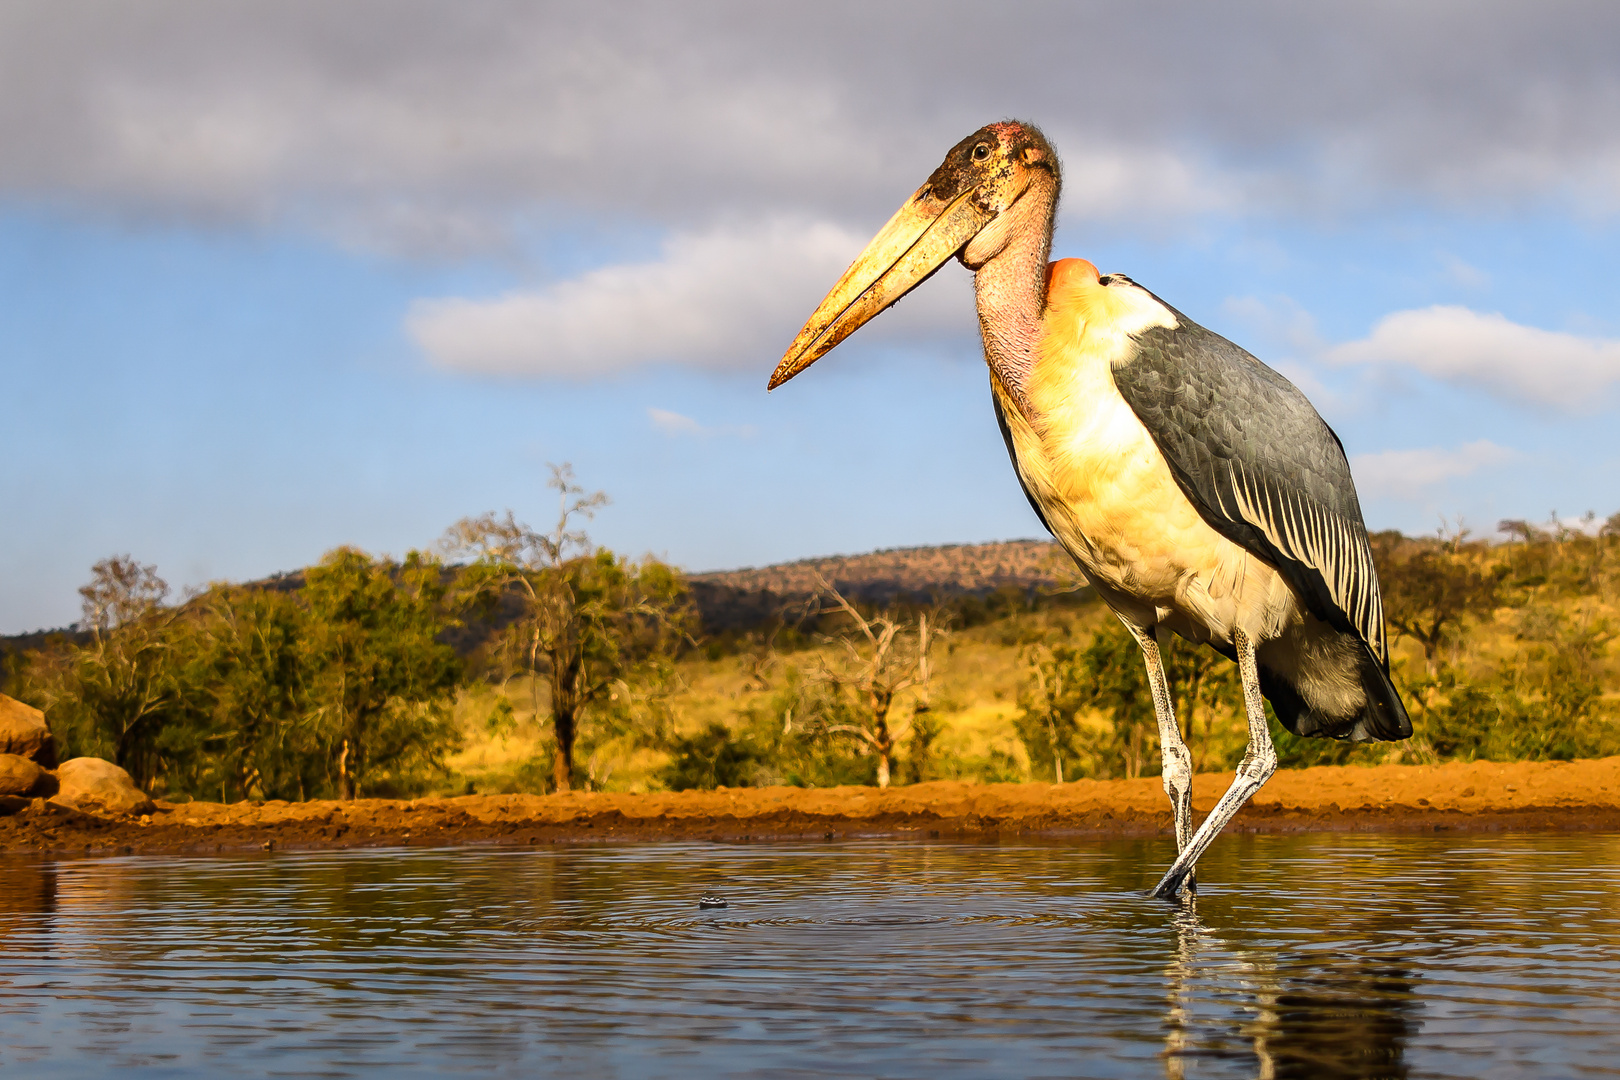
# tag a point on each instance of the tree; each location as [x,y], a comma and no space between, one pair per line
[113,695]
[1063,682]
[1433,588]
[585,618]
[1112,679]
[1546,703]
[253,691]
[253,725]
[384,681]
[883,656]
[1205,686]
[1052,699]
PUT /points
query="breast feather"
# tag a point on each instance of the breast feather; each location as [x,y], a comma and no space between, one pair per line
[1101,480]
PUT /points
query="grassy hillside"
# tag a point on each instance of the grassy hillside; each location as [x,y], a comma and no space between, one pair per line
[973,699]
[1521,665]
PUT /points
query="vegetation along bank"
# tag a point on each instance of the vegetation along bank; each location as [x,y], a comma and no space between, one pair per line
[506,660]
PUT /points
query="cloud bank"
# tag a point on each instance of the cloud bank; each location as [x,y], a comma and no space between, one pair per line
[728,299]
[431,127]
[1518,363]
[1406,474]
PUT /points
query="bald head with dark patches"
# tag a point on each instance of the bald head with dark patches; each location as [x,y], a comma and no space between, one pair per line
[991,150]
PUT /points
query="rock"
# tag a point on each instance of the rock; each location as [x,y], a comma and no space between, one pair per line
[23,732]
[22,777]
[91,785]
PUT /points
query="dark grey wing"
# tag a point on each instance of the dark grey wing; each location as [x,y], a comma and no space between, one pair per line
[1012,452]
[1261,466]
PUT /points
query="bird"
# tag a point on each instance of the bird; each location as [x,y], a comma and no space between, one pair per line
[1196,488]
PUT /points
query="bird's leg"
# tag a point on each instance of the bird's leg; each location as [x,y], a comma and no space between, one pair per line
[1176,768]
[1258,763]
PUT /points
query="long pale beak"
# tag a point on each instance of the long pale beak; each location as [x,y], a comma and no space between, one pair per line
[916,242]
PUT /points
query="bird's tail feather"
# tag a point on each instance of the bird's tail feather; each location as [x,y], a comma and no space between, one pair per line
[1382,719]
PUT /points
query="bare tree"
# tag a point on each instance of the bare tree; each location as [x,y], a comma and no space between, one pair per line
[585,614]
[759,656]
[883,657]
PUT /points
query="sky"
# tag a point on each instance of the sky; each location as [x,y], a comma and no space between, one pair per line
[281,276]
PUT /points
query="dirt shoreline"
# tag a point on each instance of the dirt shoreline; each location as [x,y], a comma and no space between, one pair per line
[1481,796]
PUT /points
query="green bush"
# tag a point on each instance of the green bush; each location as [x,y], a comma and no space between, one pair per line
[714,757]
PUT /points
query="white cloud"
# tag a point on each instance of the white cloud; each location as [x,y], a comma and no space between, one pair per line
[1405,474]
[1516,362]
[727,299]
[674,423]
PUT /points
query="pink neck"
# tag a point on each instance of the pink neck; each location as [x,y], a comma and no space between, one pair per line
[1011,292]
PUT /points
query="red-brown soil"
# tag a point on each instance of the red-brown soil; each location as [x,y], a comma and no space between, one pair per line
[1582,795]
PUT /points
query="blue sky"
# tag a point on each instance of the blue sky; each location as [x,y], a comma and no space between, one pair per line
[279,277]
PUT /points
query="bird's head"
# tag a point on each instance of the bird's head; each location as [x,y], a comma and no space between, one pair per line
[970,207]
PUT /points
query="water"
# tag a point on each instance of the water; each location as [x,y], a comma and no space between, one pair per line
[1314,956]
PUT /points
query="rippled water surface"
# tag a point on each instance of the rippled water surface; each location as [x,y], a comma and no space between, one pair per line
[1470,956]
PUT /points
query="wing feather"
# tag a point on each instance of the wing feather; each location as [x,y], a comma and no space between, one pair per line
[1261,466]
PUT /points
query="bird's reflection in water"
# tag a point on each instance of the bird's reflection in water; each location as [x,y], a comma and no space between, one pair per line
[1292,1017]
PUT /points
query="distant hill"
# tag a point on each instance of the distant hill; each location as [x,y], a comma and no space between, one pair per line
[740,599]
[734,599]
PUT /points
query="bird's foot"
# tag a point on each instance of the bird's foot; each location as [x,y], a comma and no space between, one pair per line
[1181,802]
[1179,881]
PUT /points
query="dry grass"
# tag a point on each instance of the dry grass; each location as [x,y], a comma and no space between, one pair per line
[978,670]
[974,699]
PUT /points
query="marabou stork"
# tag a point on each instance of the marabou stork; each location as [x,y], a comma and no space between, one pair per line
[1196,488]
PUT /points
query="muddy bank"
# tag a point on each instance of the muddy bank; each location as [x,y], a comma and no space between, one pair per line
[1481,796]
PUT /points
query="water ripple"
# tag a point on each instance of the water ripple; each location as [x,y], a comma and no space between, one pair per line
[1314,956]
